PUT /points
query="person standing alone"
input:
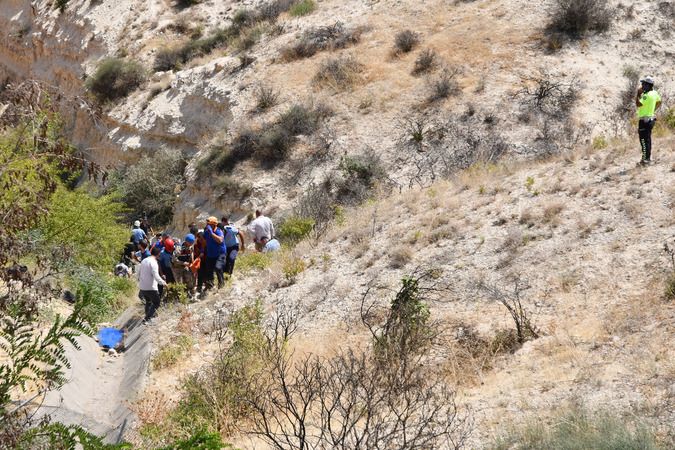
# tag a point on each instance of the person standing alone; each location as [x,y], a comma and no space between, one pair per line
[149,282]
[647,101]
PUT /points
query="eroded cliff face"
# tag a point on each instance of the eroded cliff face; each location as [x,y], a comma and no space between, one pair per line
[39,43]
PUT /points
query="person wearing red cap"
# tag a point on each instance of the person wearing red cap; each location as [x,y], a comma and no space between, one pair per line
[166,261]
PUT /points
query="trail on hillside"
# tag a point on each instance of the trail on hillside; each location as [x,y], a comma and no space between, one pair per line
[100,386]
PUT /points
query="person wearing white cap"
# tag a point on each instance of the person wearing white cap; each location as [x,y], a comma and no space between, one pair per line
[137,234]
[647,101]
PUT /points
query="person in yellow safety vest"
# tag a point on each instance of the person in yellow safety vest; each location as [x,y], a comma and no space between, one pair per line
[647,101]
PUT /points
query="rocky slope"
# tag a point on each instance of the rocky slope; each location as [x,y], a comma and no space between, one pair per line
[492,46]
[587,234]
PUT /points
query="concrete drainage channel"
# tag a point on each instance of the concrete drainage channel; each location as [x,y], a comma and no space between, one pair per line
[100,386]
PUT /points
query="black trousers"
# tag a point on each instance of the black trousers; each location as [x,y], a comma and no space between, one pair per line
[231,257]
[220,268]
[645,133]
[152,302]
[208,266]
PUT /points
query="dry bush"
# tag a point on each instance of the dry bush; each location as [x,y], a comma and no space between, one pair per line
[444,86]
[400,256]
[545,94]
[576,18]
[320,39]
[552,212]
[526,218]
[265,98]
[405,41]
[338,73]
[512,299]
[115,78]
[586,227]
[626,105]
[426,61]
[153,408]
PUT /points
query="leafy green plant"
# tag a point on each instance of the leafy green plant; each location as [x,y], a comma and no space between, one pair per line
[215,398]
[200,440]
[87,225]
[302,8]
[149,186]
[294,229]
[59,436]
[253,261]
[104,301]
[115,78]
[292,267]
[599,142]
[176,293]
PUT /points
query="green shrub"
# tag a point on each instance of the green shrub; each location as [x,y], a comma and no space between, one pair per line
[200,440]
[103,302]
[176,293]
[214,397]
[170,354]
[579,429]
[123,286]
[302,8]
[599,142]
[115,78]
[250,261]
[171,58]
[86,226]
[149,186]
[292,267]
[295,229]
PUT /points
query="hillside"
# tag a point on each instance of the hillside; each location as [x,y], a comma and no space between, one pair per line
[471,139]
[587,234]
[489,49]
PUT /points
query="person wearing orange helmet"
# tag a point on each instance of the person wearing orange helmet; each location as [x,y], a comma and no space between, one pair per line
[215,247]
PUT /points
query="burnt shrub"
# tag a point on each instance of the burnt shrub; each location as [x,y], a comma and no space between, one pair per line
[115,78]
[576,18]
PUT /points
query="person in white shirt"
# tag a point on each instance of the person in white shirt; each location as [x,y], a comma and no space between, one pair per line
[261,227]
[149,282]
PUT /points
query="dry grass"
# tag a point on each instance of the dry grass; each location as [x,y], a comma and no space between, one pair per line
[400,256]
[551,213]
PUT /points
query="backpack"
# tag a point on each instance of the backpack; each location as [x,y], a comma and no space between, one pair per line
[231,236]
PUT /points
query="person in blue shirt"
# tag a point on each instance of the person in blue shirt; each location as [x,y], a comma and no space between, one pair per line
[143,251]
[270,245]
[234,242]
[214,248]
[137,234]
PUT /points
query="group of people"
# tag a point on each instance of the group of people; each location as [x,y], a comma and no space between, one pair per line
[203,259]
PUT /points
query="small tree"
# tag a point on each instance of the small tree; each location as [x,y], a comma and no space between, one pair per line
[149,187]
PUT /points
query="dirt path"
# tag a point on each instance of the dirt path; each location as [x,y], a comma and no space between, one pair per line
[100,386]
